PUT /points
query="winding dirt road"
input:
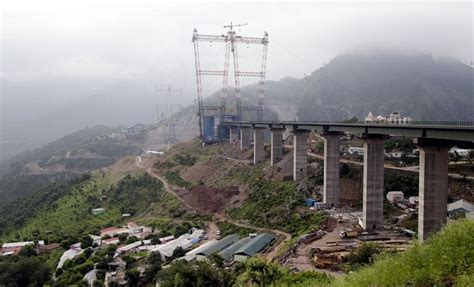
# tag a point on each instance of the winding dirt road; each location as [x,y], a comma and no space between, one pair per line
[154,173]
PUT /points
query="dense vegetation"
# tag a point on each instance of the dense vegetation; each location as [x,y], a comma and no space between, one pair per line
[15,213]
[254,272]
[406,183]
[70,215]
[174,178]
[227,228]
[274,204]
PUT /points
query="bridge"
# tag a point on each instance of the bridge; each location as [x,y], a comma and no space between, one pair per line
[434,139]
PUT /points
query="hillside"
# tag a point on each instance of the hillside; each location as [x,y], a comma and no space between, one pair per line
[64,159]
[353,85]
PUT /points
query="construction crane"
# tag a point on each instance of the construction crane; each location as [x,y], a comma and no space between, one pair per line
[231,39]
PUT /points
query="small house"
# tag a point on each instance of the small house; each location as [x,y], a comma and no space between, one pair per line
[395,196]
[459,208]
[98,211]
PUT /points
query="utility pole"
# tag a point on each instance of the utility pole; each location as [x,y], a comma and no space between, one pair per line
[231,39]
[169,103]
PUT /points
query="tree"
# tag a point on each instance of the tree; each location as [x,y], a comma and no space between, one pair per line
[24,271]
[86,241]
[178,252]
[262,273]
[154,257]
[351,120]
[131,240]
[88,252]
[28,251]
[363,255]
[132,276]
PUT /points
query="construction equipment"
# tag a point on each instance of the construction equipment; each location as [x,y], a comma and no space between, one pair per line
[231,39]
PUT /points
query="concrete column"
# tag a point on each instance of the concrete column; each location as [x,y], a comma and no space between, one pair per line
[433,186]
[233,137]
[258,146]
[372,211]
[331,168]
[300,158]
[245,134]
[277,145]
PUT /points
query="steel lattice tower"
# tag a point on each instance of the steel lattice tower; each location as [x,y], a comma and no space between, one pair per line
[231,40]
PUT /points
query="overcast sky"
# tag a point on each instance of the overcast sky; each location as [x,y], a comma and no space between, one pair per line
[68,64]
[147,39]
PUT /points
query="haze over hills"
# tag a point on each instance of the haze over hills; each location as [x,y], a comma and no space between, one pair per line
[350,85]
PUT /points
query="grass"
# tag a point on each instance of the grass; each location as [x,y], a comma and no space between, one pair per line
[227,228]
[274,204]
[174,178]
[447,258]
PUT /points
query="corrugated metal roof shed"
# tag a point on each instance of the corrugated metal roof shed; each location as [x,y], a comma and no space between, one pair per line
[219,245]
[256,245]
[191,255]
[229,251]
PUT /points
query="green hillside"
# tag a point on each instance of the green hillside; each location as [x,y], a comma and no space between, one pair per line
[445,259]
[70,215]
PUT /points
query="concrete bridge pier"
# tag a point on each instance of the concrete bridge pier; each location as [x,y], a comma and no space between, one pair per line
[331,167]
[233,135]
[258,146]
[276,145]
[433,186]
[245,135]
[372,211]
[300,158]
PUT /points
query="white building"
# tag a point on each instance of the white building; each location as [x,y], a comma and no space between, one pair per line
[355,150]
[393,118]
[185,241]
[395,196]
[413,200]
[459,208]
[460,152]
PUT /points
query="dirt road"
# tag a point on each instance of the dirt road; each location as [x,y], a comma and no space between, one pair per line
[212,225]
[414,169]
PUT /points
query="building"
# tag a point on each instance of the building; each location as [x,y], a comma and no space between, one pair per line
[413,200]
[217,246]
[185,241]
[395,196]
[460,208]
[460,152]
[355,150]
[191,255]
[112,231]
[99,211]
[129,247]
[394,154]
[113,240]
[393,118]
[254,246]
[228,253]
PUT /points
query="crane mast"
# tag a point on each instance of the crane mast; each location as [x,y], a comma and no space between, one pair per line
[231,39]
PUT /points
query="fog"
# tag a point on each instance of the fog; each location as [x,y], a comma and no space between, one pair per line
[97,62]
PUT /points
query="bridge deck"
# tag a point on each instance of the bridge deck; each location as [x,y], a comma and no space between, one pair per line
[458,131]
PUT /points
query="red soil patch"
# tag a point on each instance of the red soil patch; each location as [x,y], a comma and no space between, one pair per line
[211,199]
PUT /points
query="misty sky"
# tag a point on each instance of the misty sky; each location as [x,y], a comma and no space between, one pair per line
[143,39]
[68,64]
